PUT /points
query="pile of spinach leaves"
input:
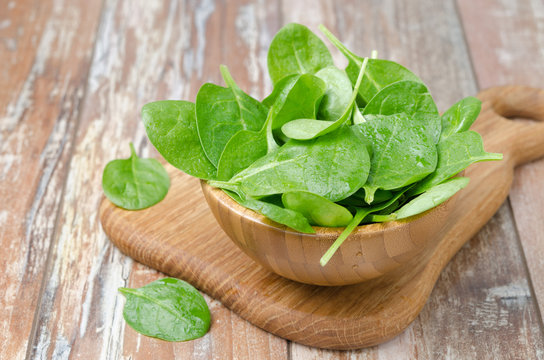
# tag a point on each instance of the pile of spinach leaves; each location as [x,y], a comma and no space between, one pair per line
[328,147]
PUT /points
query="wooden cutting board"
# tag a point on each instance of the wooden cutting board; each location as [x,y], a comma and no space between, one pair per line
[181,238]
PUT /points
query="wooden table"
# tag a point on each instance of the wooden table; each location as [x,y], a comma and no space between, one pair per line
[74,75]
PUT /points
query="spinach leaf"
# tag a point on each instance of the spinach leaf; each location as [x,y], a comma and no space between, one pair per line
[411,98]
[357,115]
[455,153]
[379,73]
[333,166]
[460,116]
[428,200]
[222,112]
[337,93]
[135,183]
[169,309]
[318,210]
[360,215]
[171,127]
[403,152]
[287,217]
[296,50]
[306,129]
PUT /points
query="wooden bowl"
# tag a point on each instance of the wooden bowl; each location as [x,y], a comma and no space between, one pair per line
[369,252]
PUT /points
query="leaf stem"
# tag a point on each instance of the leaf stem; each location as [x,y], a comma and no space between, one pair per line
[132,151]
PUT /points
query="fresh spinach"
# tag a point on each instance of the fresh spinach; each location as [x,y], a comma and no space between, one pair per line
[333,166]
[296,50]
[379,73]
[318,210]
[460,116]
[403,152]
[171,128]
[337,93]
[222,112]
[169,309]
[287,217]
[306,129]
[135,183]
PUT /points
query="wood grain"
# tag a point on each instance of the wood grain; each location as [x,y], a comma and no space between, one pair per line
[506,44]
[178,237]
[43,71]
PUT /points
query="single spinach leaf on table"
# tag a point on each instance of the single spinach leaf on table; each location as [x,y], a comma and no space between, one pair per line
[428,200]
[337,93]
[171,128]
[169,309]
[460,116]
[333,166]
[403,152]
[318,210]
[222,112]
[295,49]
[411,98]
[135,183]
[455,153]
[379,73]
[360,215]
[306,129]
[287,217]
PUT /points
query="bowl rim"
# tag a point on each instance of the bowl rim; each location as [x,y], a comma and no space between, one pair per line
[366,229]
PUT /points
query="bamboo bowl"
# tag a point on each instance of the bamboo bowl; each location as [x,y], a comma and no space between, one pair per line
[369,252]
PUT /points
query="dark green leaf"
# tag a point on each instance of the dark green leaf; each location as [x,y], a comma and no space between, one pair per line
[460,116]
[135,183]
[287,217]
[171,128]
[296,50]
[168,309]
[222,112]
[403,152]
[318,210]
[455,153]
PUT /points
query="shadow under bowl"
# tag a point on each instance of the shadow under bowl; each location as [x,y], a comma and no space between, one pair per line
[369,252]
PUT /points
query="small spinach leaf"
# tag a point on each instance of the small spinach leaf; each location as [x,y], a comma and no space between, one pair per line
[411,98]
[169,309]
[171,128]
[222,112]
[460,116]
[333,166]
[337,94]
[455,153]
[403,152]
[135,183]
[295,49]
[306,129]
[379,73]
[318,210]
[287,217]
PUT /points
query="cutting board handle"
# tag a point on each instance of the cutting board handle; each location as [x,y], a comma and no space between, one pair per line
[525,139]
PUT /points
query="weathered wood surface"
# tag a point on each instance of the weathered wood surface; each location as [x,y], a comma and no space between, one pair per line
[483,305]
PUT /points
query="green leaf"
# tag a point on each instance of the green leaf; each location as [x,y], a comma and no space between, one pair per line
[455,153]
[460,116]
[306,129]
[337,93]
[333,166]
[287,217]
[360,215]
[318,210]
[222,112]
[410,98]
[171,128]
[135,183]
[403,152]
[168,309]
[296,50]
[379,73]
[429,199]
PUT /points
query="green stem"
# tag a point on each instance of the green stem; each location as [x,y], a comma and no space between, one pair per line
[229,81]
[132,151]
